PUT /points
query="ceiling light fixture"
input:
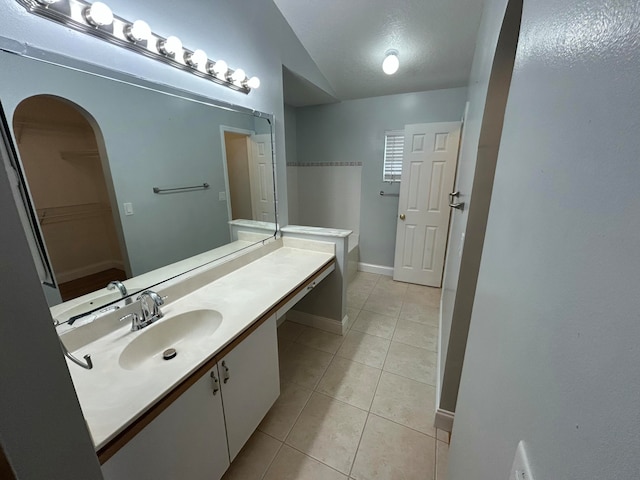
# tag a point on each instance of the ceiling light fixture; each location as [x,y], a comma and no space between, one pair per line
[138,31]
[196,59]
[99,14]
[97,20]
[391,62]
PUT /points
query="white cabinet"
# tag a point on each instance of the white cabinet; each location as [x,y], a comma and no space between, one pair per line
[196,436]
[250,383]
[187,440]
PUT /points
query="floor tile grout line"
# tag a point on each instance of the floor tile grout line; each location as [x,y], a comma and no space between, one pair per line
[273,459]
[355,456]
[315,459]
[403,425]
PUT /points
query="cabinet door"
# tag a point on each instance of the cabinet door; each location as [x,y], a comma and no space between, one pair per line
[252,383]
[187,440]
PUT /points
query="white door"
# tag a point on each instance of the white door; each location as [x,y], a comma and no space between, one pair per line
[261,178]
[428,174]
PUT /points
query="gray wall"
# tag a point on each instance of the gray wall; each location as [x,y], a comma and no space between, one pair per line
[353,131]
[552,356]
[248,33]
[291,145]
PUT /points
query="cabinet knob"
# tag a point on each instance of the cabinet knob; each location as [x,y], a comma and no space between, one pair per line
[226,372]
[215,381]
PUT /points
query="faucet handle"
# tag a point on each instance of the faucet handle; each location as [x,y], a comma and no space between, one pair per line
[135,321]
[157,299]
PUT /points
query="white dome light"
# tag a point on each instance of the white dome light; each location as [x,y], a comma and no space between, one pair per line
[391,63]
[138,31]
[196,59]
[170,46]
[219,69]
[238,76]
[253,83]
[99,14]
[46,2]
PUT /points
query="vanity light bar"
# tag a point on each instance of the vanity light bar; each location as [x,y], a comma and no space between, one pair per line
[97,19]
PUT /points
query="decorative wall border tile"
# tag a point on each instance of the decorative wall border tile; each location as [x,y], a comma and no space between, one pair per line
[324,164]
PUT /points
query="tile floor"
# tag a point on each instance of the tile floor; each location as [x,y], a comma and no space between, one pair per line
[358,406]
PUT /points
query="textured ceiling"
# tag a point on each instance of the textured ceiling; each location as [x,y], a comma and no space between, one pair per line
[348,39]
[300,92]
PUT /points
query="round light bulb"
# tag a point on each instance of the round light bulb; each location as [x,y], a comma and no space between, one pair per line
[253,83]
[99,14]
[238,75]
[196,59]
[46,3]
[219,68]
[171,46]
[391,63]
[138,31]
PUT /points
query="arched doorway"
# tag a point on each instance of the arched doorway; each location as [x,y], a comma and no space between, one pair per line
[61,161]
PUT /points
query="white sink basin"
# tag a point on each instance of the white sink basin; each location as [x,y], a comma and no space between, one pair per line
[179,332]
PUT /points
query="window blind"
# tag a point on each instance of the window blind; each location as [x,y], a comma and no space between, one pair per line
[393,153]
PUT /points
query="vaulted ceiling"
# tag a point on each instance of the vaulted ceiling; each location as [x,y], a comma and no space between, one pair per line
[348,39]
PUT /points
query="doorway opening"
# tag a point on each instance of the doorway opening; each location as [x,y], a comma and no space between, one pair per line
[249,174]
[66,180]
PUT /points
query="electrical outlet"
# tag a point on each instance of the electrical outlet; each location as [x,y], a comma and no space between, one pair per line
[128,209]
[222,196]
[520,470]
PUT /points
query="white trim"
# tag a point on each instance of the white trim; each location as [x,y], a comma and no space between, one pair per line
[68,275]
[444,420]
[378,269]
[316,321]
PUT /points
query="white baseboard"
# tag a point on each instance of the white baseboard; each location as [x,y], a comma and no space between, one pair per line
[316,321]
[378,269]
[444,420]
[67,276]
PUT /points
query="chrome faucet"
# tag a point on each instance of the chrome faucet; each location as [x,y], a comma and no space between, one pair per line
[150,303]
[119,285]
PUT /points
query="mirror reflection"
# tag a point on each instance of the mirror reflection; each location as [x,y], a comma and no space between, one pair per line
[131,184]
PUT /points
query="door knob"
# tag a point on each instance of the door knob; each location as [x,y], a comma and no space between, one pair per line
[402,217]
[459,205]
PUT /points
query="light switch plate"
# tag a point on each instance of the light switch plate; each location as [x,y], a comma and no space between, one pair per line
[521,470]
[128,208]
[222,196]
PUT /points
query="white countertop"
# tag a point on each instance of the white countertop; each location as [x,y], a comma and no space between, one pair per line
[112,397]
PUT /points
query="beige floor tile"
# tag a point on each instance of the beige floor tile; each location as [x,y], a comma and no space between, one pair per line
[303,365]
[417,312]
[280,419]
[375,324]
[407,402]
[351,382]
[254,459]
[411,362]
[389,305]
[365,279]
[293,465]
[356,299]
[283,346]
[290,330]
[416,334]
[353,315]
[389,451]
[363,348]
[443,436]
[425,295]
[442,460]
[321,340]
[329,431]
[396,289]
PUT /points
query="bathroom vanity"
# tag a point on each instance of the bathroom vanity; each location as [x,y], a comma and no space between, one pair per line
[188,417]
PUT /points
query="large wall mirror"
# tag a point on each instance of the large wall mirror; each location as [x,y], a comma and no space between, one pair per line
[125,181]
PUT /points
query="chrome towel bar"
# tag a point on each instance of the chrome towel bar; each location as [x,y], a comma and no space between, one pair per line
[204,186]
